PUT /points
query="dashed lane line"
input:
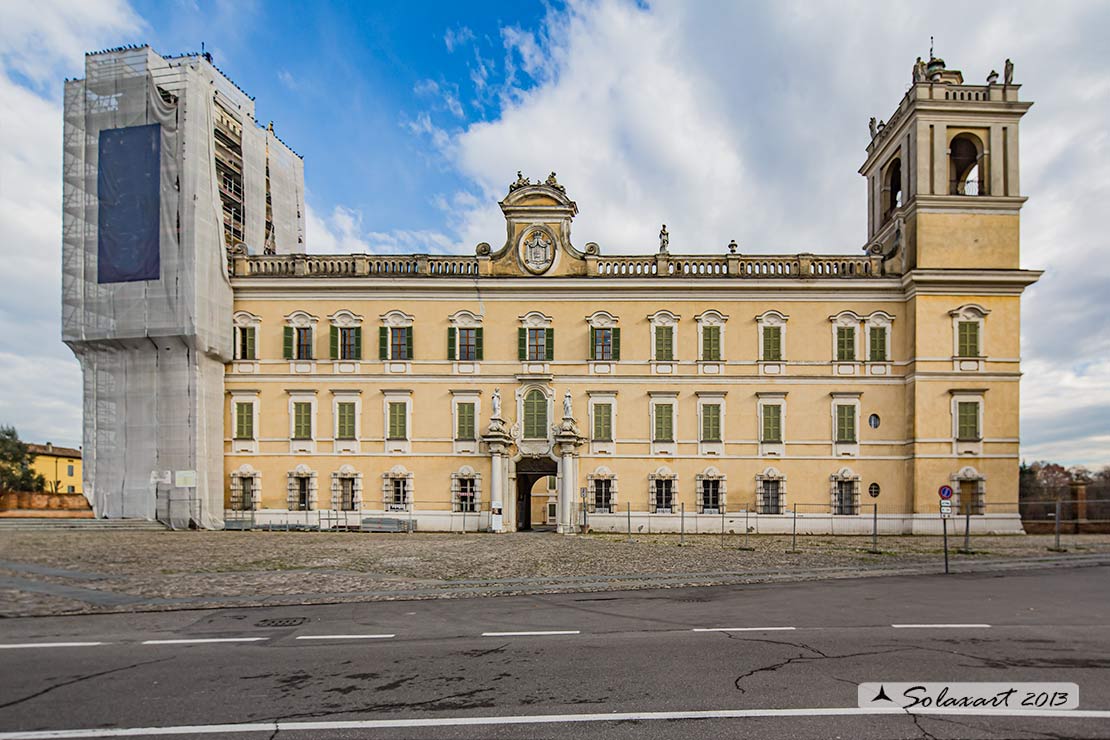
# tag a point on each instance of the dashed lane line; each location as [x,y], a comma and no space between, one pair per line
[345,637]
[742,629]
[200,640]
[939,626]
[532,633]
[18,645]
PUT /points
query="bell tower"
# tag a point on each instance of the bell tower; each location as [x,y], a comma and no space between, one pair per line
[943,186]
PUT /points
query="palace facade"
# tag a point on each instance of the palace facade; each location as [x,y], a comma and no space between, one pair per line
[537,378]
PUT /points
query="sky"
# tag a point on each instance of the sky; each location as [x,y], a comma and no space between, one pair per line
[724,120]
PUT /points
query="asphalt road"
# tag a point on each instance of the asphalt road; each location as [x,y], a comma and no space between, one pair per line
[679,663]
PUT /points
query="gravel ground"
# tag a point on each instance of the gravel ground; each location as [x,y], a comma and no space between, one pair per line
[172,570]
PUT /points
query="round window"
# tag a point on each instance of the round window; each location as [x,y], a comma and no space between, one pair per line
[873,490]
[873,421]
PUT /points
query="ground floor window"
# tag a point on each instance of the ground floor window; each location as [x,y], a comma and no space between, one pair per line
[300,500]
[662,496]
[347,494]
[710,498]
[398,494]
[243,493]
[466,498]
[971,497]
[846,497]
[603,495]
[770,496]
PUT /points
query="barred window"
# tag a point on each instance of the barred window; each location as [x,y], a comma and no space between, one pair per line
[300,500]
[710,495]
[242,495]
[603,495]
[972,498]
[347,493]
[399,493]
[466,498]
[846,497]
[663,495]
[770,496]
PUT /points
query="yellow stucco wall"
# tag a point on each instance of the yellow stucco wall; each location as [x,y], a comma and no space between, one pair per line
[62,472]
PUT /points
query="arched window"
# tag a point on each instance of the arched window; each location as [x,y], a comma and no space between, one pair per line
[535,415]
[965,173]
[892,189]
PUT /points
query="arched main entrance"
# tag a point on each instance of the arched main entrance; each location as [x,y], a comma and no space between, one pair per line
[528,471]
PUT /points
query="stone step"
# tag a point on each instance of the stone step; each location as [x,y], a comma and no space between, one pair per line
[35,523]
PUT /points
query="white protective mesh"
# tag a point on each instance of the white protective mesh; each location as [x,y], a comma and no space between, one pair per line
[254,185]
[284,168]
[151,350]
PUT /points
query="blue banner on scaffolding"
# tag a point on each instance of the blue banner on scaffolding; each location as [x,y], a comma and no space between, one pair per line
[128,185]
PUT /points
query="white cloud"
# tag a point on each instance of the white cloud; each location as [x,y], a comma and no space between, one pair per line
[341,232]
[456,37]
[39,44]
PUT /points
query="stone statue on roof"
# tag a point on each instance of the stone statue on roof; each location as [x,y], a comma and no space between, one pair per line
[521,181]
[873,125]
[664,240]
[1008,73]
[551,182]
[919,70]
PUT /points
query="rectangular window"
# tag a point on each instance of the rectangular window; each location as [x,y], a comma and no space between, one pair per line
[772,423]
[301,502]
[603,495]
[398,493]
[771,502]
[70,489]
[304,343]
[69,468]
[244,422]
[971,497]
[602,348]
[968,338]
[711,343]
[302,420]
[347,494]
[465,428]
[772,344]
[846,503]
[400,343]
[535,415]
[350,343]
[246,343]
[345,420]
[468,345]
[664,422]
[845,423]
[246,493]
[537,345]
[603,422]
[398,423]
[711,422]
[967,421]
[710,495]
[663,495]
[467,500]
[845,344]
[664,344]
[878,344]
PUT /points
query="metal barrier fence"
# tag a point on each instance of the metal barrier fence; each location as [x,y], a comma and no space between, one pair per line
[356,520]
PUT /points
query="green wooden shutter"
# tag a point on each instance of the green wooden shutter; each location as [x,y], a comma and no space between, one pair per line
[549,344]
[302,420]
[249,334]
[334,342]
[465,415]
[358,342]
[845,423]
[711,423]
[664,426]
[478,352]
[593,343]
[772,343]
[845,344]
[397,421]
[968,338]
[878,344]
[451,343]
[287,343]
[244,421]
[522,344]
[711,343]
[383,343]
[345,423]
[967,421]
[603,422]
[772,423]
[535,415]
[408,342]
[616,344]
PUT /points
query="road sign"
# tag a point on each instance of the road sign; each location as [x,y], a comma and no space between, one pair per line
[945,508]
[945,492]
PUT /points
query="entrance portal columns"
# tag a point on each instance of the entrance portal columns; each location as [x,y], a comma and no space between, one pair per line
[498,440]
[567,442]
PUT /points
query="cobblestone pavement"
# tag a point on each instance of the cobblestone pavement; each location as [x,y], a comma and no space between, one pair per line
[66,571]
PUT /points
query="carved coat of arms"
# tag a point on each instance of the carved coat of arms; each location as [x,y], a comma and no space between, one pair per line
[539,251]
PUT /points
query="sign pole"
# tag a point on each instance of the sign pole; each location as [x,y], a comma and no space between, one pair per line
[944,528]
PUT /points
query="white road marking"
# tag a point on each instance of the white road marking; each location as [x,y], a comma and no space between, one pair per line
[529,634]
[535,719]
[344,637]
[742,629]
[939,626]
[203,639]
[15,645]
